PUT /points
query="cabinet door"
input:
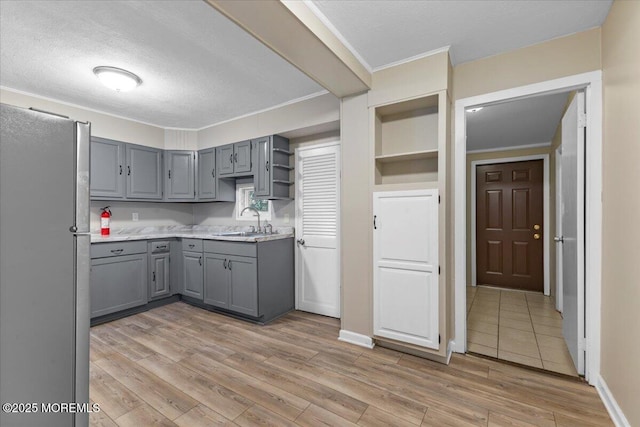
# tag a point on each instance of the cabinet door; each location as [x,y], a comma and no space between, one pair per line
[261,169]
[192,274]
[144,172]
[242,157]
[107,168]
[207,174]
[118,283]
[224,157]
[179,175]
[159,276]
[243,296]
[216,279]
[405,257]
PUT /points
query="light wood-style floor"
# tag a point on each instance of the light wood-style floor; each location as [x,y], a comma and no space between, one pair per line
[180,365]
[521,327]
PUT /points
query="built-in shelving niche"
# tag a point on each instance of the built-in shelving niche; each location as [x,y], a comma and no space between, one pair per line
[406,142]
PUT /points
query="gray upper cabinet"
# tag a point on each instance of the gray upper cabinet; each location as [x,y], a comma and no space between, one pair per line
[144,172]
[261,149]
[271,169]
[234,159]
[179,175]
[242,158]
[107,168]
[207,174]
[224,157]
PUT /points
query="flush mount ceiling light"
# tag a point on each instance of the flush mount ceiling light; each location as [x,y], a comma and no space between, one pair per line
[117,79]
[474,110]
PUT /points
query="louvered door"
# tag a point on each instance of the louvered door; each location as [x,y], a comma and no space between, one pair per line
[317,230]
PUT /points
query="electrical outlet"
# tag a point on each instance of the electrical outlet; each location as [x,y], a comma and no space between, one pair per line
[286,218]
[134,216]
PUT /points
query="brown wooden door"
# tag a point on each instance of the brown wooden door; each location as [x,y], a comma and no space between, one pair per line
[508,211]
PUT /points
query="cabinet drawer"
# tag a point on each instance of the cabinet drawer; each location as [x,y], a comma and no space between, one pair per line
[230,248]
[103,250]
[159,247]
[193,245]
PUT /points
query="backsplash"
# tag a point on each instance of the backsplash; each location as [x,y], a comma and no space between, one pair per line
[149,214]
[224,213]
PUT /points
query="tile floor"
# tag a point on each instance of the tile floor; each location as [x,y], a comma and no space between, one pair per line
[521,327]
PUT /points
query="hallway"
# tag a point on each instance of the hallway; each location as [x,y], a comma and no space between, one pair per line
[520,327]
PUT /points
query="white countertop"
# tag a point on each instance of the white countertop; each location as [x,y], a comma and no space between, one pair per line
[191,232]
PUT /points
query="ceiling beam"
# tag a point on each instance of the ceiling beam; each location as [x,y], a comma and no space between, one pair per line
[294,32]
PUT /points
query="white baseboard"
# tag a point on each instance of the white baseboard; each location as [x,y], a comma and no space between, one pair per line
[611,404]
[355,338]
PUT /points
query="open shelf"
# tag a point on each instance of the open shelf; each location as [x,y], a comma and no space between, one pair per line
[406,138]
[414,155]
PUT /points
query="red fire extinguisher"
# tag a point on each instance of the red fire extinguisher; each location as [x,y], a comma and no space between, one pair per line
[105,219]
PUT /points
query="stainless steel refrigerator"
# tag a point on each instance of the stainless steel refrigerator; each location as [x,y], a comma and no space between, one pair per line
[44,268]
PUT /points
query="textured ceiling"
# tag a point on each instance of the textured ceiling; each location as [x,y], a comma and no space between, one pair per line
[523,122]
[198,67]
[383,31]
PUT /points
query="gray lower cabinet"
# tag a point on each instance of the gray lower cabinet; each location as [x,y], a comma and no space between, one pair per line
[179,175]
[107,169]
[118,277]
[144,172]
[192,268]
[243,285]
[159,269]
[231,282]
[216,279]
[252,279]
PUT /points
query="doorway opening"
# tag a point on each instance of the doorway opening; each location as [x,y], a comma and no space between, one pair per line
[583,335]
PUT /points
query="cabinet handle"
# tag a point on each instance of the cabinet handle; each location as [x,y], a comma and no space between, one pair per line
[200,260]
[267,165]
[120,169]
[191,245]
[169,173]
[154,276]
[162,247]
[213,173]
[116,251]
[229,264]
[128,170]
[231,158]
[224,264]
[374,222]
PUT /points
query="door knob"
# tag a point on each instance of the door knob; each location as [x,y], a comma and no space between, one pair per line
[536,227]
[536,236]
[300,242]
[558,239]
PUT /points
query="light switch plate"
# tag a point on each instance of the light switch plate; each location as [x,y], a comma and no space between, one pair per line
[286,218]
[134,216]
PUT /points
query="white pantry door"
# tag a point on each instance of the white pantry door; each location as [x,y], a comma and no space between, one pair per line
[572,240]
[405,258]
[318,229]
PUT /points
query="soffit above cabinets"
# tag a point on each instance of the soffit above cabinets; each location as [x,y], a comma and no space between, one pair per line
[198,68]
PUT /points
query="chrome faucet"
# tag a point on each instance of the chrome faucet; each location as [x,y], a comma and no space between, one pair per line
[259,230]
